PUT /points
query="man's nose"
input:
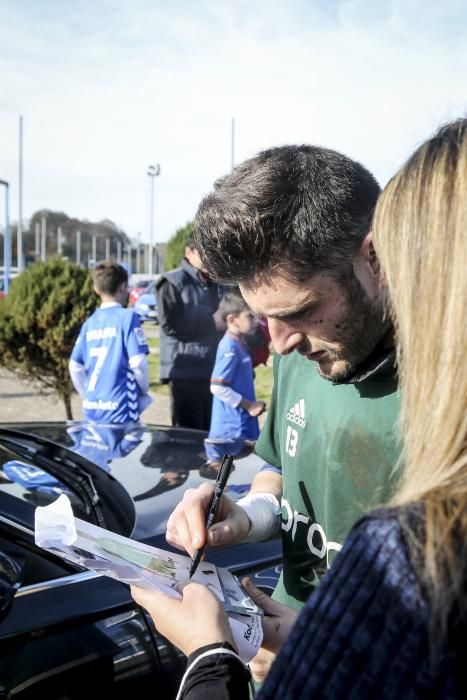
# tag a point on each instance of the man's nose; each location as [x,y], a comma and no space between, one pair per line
[284,337]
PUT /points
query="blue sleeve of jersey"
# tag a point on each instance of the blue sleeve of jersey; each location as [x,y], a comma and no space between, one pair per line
[225,366]
[77,354]
[136,340]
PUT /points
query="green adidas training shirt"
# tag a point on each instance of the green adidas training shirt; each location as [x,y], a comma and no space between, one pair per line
[337,446]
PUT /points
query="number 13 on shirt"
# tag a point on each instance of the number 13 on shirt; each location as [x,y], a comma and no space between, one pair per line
[291,441]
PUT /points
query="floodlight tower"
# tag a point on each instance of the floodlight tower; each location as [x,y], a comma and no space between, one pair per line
[153,172]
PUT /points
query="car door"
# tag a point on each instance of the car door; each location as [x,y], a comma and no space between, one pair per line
[69,632]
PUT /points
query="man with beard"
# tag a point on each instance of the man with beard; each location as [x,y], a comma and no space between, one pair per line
[292,228]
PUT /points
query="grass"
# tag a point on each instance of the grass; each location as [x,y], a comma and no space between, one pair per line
[264,382]
[154,362]
[263,374]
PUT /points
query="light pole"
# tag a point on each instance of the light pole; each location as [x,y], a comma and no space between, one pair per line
[94,250]
[19,254]
[6,240]
[43,238]
[153,171]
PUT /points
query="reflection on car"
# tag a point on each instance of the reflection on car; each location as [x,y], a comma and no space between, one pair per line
[103,443]
[62,627]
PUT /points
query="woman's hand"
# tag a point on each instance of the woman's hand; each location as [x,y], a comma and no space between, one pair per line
[190,623]
[277,621]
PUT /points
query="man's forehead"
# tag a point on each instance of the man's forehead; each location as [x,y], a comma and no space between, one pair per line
[280,297]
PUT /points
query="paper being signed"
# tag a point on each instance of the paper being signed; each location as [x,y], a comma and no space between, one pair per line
[134,563]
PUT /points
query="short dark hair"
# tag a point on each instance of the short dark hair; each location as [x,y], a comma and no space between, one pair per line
[108,277]
[302,207]
[189,243]
[232,303]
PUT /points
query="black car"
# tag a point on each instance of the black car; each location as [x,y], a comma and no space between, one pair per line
[66,632]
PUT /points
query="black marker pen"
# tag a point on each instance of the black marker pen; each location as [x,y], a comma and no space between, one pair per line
[221,481]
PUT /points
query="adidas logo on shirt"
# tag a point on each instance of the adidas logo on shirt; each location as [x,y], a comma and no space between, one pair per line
[296,414]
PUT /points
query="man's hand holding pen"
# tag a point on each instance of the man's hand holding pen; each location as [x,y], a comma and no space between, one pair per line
[186,528]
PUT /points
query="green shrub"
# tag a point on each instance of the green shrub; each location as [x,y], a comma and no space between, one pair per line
[40,320]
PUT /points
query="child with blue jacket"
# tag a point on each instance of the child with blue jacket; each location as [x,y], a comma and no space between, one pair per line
[235,410]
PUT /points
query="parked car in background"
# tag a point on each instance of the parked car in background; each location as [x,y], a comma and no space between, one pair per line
[67,632]
[135,291]
[146,305]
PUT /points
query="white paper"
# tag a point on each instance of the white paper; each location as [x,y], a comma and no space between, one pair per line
[55,521]
[134,563]
[247,632]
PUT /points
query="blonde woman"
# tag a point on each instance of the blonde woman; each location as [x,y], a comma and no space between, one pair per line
[389,620]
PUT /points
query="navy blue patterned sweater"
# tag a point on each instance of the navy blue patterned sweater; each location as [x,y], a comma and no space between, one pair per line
[362,634]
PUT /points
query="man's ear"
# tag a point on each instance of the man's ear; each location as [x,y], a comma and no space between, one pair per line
[189,254]
[367,268]
[368,252]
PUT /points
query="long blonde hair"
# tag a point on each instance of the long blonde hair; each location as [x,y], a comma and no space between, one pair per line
[420,231]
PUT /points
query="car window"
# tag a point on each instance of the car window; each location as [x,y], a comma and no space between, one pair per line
[37,471]
[32,484]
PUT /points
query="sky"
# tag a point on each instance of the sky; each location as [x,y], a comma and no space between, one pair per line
[108,87]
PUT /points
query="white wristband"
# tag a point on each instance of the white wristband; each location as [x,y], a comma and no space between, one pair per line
[264,513]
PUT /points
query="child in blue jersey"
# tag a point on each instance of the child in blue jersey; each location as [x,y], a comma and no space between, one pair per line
[235,411]
[108,365]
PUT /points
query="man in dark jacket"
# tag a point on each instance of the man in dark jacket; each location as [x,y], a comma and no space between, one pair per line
[187,301]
